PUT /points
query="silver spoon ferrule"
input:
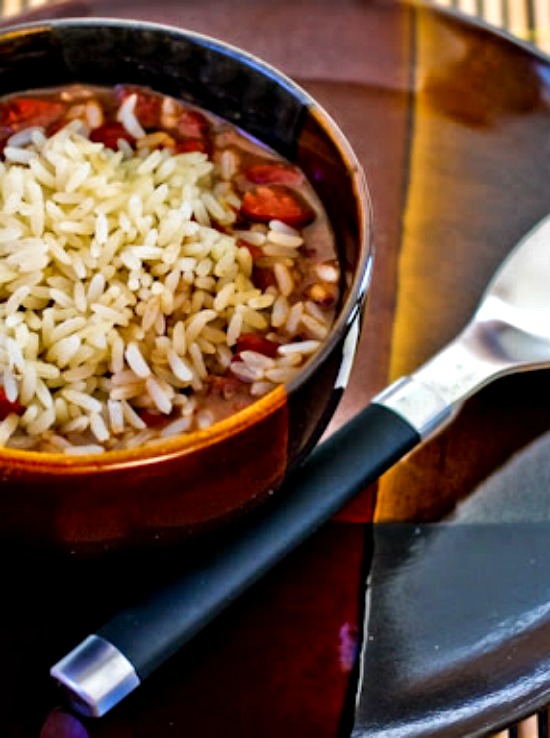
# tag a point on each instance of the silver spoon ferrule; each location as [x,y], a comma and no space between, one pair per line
[96,676]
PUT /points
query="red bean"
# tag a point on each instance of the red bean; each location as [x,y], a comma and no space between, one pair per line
[192,144]
[275,173]
[263,277]
[148,107]
[276,202]
[258,343]
[109,134]
[192,124]
[152,419]
[7,406]
[255,251]
[192,132]
[23,112]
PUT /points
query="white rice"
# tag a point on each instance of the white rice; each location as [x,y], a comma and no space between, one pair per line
[118,293]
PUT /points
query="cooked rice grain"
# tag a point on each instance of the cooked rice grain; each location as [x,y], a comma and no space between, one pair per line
[120,293]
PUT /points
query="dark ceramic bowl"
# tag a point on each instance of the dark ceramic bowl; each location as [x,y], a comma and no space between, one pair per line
[191,483]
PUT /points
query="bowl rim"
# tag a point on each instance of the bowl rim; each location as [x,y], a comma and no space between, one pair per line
[349,312]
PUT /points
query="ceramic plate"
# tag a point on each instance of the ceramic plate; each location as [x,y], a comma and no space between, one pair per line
[452,124]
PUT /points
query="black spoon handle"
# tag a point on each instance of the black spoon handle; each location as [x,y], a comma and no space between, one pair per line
[135,642]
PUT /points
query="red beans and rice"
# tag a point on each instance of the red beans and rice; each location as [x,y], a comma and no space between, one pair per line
[159,270]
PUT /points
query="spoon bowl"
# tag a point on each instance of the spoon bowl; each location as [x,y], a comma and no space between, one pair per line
[509,332]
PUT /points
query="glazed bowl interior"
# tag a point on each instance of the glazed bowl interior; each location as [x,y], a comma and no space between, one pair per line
[205,478]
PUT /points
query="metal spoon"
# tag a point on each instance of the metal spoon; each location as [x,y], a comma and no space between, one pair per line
[509,332]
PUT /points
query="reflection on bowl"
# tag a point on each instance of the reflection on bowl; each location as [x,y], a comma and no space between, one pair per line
[191,482]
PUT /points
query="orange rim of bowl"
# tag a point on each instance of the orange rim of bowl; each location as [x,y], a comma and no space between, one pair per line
[165,449]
